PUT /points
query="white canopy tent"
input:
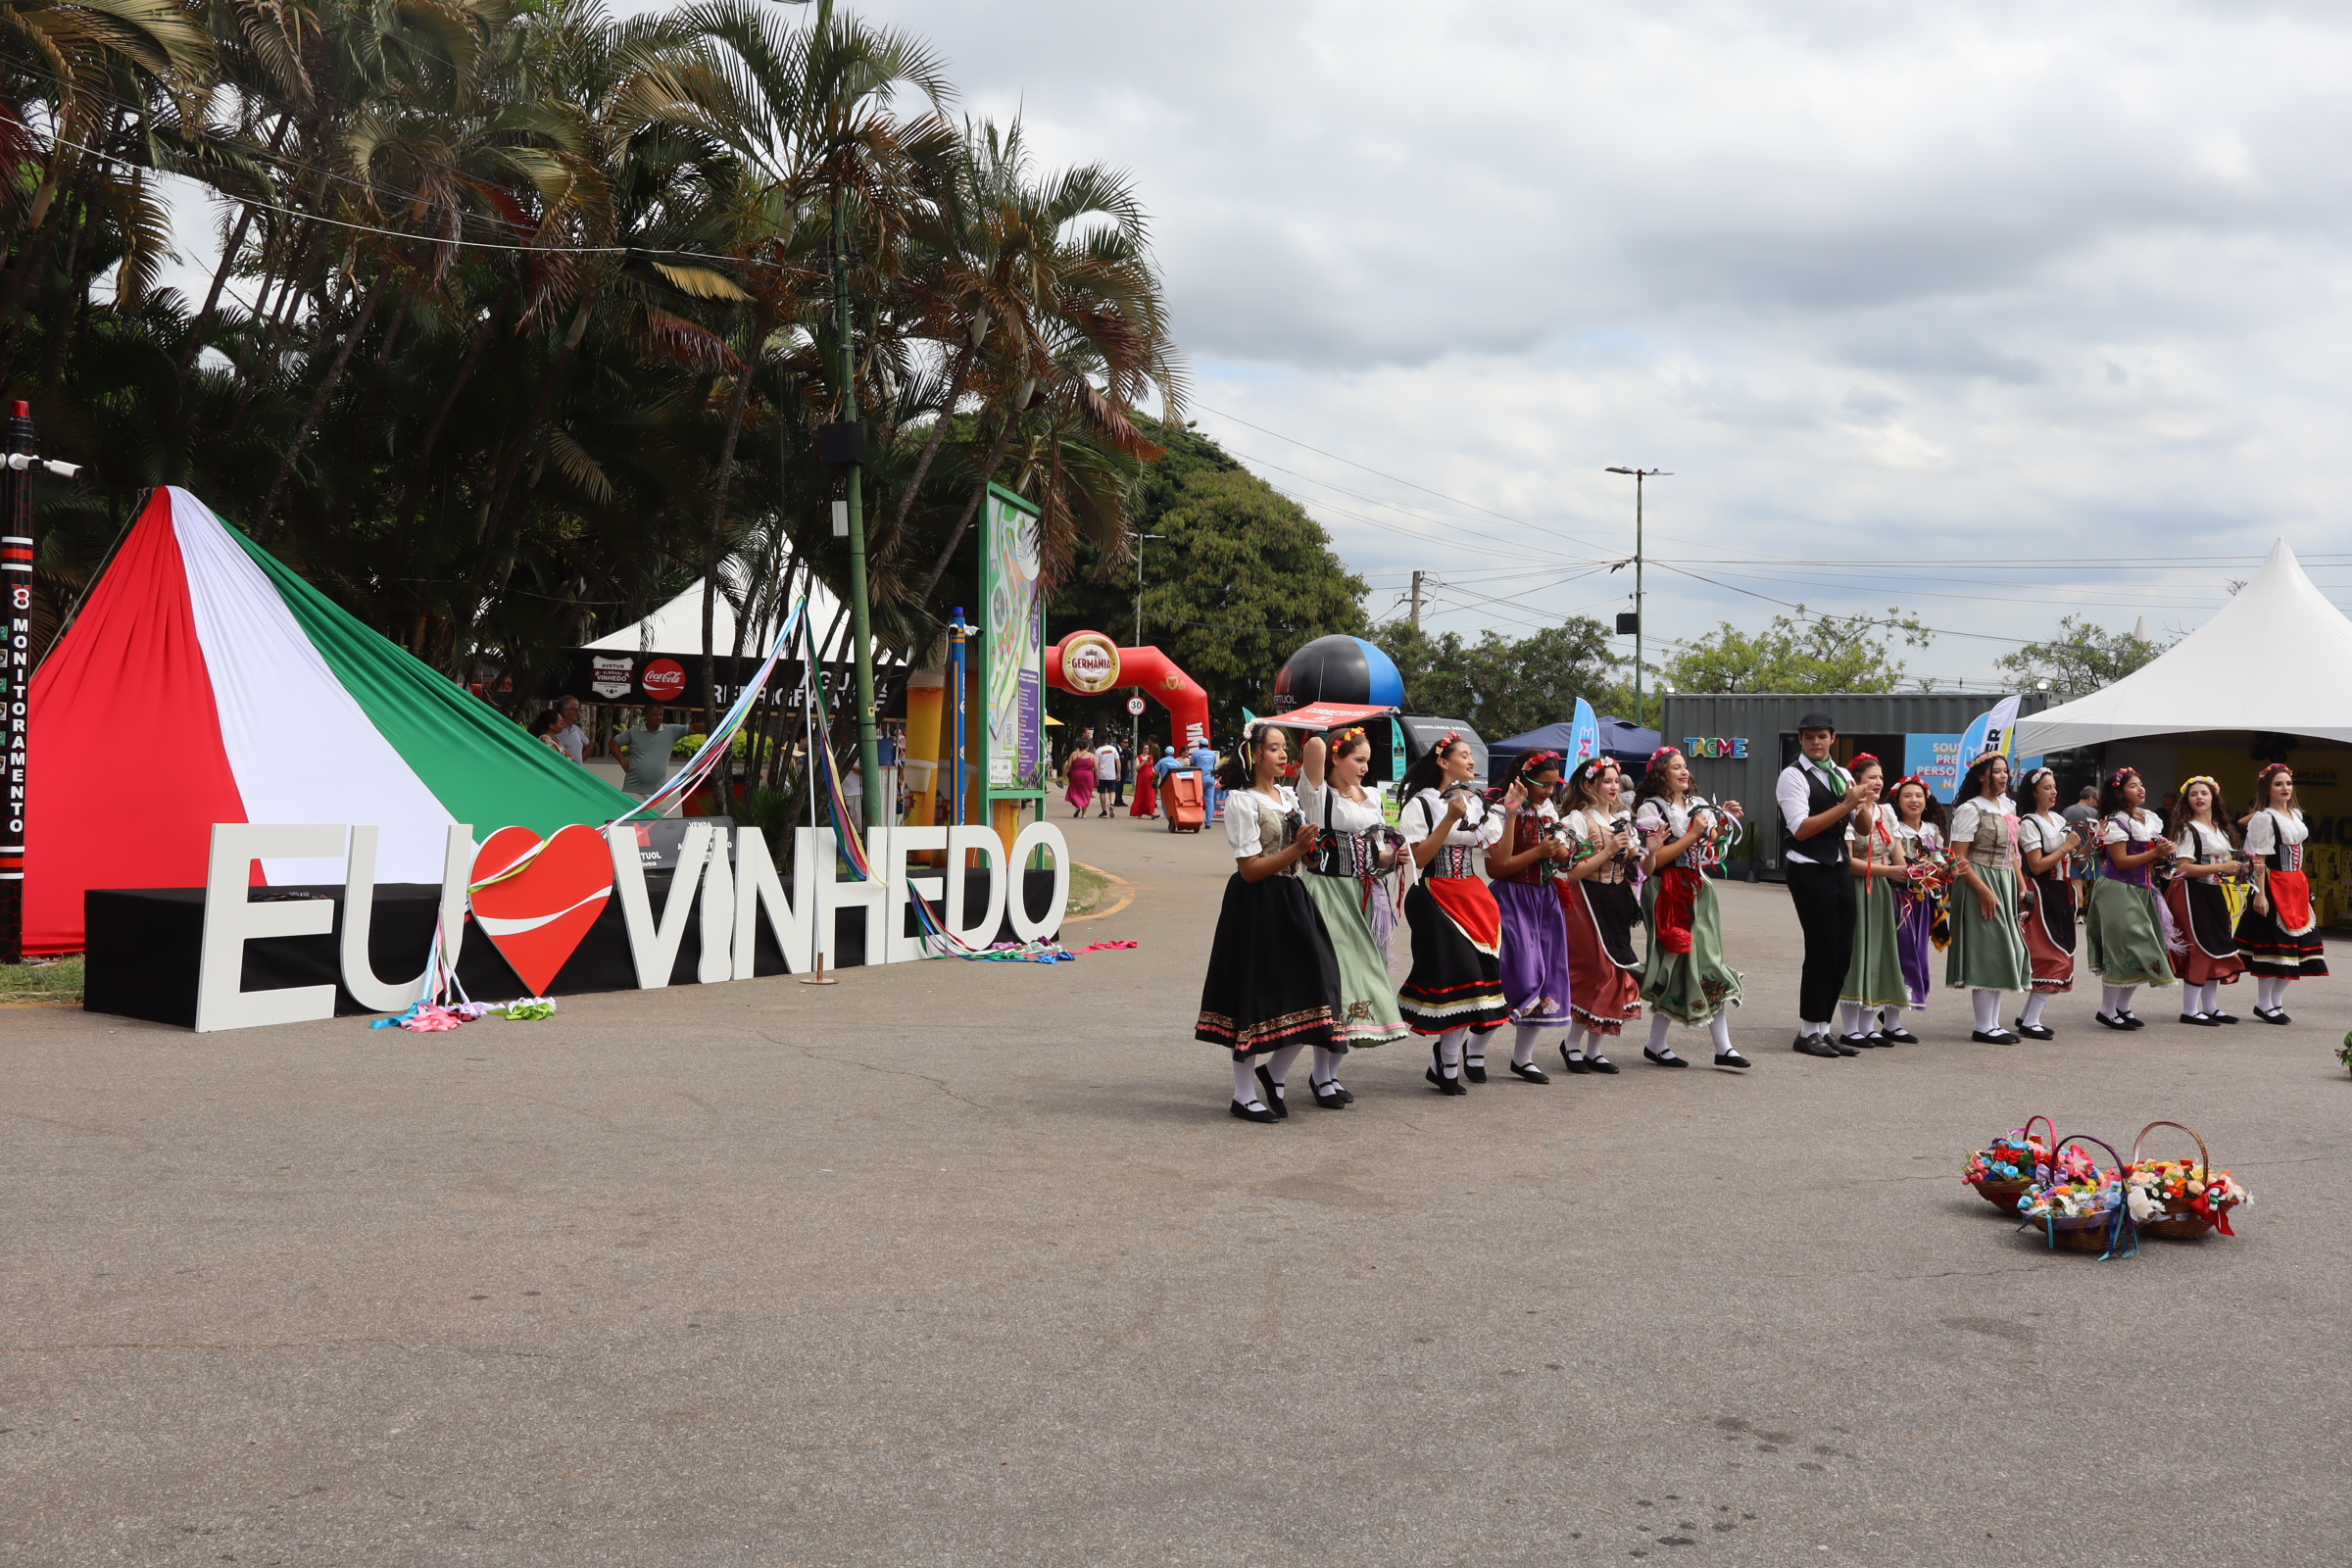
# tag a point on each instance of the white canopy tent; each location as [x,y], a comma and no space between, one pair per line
[2275,657]
[676,628]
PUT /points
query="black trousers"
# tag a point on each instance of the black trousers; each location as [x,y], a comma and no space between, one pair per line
[1824,896]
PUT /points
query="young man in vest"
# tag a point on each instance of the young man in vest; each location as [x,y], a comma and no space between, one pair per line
[1816,796]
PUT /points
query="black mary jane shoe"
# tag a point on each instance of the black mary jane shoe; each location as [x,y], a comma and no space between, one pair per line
[2203,1020]
[1731,1057]
[1899,1036]
[1530,1072]
[1664,1058]
[2132,1020]
[2111,1023]
[1814,1045]
[1475,1071]
[2035,1031]
[1273,1095]
[1993,1036]
[1597,1062]
[2222,1018]
[2272,1014]
[1254,1112]
[1859,1043]
[1444,1085]
[1329,1096]
[1575,1063]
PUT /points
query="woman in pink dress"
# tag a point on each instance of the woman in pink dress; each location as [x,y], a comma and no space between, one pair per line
[1081,793]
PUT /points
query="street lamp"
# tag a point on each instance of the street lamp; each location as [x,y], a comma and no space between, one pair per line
[1135,738]
[1639,475]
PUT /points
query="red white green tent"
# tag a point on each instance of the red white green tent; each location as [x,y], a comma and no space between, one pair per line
[205,682]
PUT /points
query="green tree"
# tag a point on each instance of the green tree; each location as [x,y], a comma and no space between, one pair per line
[1799,652]
[1501,687]
[2080,659]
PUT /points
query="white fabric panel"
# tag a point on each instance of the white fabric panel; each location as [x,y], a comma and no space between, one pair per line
[302,748]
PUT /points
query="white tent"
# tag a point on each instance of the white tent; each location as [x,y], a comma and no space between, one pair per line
[676,628]
[2276,658]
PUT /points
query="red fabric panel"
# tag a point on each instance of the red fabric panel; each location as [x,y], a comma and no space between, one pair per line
[1469,905]
[127,771]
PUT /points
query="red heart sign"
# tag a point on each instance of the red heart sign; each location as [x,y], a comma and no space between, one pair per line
[538,916]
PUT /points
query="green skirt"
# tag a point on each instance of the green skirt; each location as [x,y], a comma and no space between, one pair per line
[2122,937]
[1688,987]
[1987,955]
[1874,978]
[1367,1011]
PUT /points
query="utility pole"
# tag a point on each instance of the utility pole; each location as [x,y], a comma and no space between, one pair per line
[869,756]
[1639,474]
[1417,576]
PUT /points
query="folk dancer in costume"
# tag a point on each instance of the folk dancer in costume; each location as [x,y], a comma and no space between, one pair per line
[1521,867]
[2198,898]
[1874,978]
[1342,879]
[2279,933]
[1273,979]
[1988,951]
[1456,988]
[1684,979]
[2124,928]
[1919,899]
[1597,895]
[1816,798]
[2047,845]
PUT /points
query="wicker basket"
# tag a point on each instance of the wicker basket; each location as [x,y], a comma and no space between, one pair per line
[2109,1235]
[2180,1222]
[2004,1196]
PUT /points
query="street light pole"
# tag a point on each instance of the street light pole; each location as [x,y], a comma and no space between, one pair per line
[1135,738]
[1639,474]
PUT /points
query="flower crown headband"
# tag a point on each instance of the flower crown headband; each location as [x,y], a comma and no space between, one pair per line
[2115,780]
[1861,760]
[1664,751]
[2206,779]
[1536,762]
[2264,778]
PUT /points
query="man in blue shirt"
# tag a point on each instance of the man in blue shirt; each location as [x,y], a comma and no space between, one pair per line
[1204,758]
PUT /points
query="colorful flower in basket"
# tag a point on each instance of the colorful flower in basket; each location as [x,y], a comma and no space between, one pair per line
[2158,1187]
[2076,1197]
[2020,1157]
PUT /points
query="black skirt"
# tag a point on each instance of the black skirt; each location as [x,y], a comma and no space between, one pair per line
[1453,985]
[1273,979]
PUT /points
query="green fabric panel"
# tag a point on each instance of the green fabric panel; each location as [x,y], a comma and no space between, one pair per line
[482,765]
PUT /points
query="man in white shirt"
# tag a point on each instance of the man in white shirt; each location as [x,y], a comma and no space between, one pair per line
[568,733]
[1107,776]
[1816,798]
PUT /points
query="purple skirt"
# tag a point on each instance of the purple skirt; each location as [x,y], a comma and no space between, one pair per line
[1535,953]
[1913,925]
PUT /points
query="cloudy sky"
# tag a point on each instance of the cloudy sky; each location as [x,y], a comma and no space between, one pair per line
[1991,311]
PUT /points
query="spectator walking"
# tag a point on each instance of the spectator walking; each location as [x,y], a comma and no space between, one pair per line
[648,746]
[1107,776]
[544,728]
[569,737]
[1147,784]
[1204,758]
[1081,793]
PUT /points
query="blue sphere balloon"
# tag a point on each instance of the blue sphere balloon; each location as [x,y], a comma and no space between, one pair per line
[1339,670]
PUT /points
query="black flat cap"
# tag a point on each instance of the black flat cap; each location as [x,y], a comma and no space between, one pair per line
[1817,720]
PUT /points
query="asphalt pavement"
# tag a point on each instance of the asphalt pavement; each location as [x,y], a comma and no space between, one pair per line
[960,1264]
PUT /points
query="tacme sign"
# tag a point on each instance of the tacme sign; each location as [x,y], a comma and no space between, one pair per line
[732,899]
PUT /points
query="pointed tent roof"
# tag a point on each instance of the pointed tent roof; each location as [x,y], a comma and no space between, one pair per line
[2274,658]
[676,628]
[205,682]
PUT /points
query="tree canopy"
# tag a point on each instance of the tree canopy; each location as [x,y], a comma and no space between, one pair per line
[2082,657]
[1799,652]
[1501,687]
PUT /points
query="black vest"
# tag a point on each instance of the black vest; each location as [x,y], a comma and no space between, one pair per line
[1819,798]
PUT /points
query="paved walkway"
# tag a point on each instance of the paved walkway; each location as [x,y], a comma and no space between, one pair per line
[964,1264]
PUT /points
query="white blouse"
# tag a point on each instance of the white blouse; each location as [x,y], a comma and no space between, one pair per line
[2201,844]
[1478,829]
[1347,815]
[2133,829]
[1918,841]
[1969,813]
[2043,832]
[2266,830]
[1242,827]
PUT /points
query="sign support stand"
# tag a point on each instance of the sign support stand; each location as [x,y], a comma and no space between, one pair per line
[16,674]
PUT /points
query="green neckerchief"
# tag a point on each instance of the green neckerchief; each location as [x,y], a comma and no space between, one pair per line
[1834,774]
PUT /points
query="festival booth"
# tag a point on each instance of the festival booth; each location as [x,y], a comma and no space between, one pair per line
[247,807]
[2268,677]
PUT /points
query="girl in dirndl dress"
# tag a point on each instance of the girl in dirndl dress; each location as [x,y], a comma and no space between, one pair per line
[1919,824]
[2278,933]
[1521,867]
[1456,988]
[2124,929]
[1342,878]
[2045,844]
[1684,979]
[2197,898]
[1988,951]
[1874,978]
[1273,980]
[1597,895]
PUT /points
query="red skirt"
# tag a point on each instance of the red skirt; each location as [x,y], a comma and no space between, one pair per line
[2049,930]
[2201,913]
[1604,978]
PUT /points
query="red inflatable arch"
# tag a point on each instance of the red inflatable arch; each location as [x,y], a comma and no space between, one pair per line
[1090,664]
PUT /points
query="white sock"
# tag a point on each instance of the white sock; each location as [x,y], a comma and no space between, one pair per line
[2107,1002]
[1657,1035]
[2123,996]
[2273,991]
[1575,1044]
[1450,1052]
[1811,1030]
[1245,1084]
[1720,1027]
[1890,1018]
[2034,1001]
[1326,1073]
[1277,1065]
[1851,1012]
[1989,1010]
[1523,1049]
[2208,997]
